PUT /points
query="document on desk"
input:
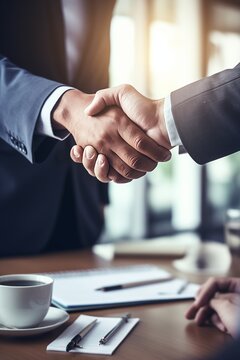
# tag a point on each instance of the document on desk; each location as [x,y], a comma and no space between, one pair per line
[90,343]
[79,290]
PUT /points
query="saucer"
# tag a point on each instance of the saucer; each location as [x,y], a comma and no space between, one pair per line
[54,318]
[208,258]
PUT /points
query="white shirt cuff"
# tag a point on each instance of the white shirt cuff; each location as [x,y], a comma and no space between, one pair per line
[170,124]
[44,123]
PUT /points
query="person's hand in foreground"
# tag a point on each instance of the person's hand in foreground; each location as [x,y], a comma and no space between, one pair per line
[130,152]
[218,303]
[144,112]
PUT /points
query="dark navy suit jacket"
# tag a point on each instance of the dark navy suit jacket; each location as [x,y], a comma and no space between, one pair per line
[33,168]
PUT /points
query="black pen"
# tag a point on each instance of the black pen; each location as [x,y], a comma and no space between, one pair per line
[134,284]
[77,338]
[120,323]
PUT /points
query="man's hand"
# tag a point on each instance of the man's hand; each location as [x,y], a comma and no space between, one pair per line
[146,113]
[130,152]
[218,303]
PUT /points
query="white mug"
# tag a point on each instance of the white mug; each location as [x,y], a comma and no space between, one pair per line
[24,299]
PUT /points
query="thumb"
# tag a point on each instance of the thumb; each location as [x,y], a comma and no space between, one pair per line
[98,104]
[102,99]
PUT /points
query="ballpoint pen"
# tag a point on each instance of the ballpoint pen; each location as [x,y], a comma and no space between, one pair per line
[120,323]
[135,284]
[77,338]
[183,287]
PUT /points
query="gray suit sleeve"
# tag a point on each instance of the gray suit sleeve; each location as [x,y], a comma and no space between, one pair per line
[22,96]
[207,115]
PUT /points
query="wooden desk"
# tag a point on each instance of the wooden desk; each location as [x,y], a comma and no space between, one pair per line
[163,332]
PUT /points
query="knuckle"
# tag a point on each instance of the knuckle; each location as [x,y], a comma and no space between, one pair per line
[139,143]
[136,163]
[125,171]
[99,93]
[104,136]
[126,87]
[141,163]
[118,116]
[123,123]
[100,144]
[129,174]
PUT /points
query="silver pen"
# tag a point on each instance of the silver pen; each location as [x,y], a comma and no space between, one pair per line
[135,284]
[77,338]
[109,335]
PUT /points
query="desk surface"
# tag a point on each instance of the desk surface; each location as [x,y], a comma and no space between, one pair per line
[163,332]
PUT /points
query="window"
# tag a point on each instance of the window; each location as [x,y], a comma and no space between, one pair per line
[222,183]
[157,47]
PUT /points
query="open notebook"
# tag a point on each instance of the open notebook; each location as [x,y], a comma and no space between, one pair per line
[77,290]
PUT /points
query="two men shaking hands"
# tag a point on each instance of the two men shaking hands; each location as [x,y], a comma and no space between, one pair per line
[120,136]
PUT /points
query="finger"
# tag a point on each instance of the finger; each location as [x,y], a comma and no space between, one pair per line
[101,168]
[132,158]
[76,153]
[191,312]
[137,139]
[89,159]
[114,176]
[221,285]
[234,298]
[98,165]
[208,291]
[203,315]
[122,168]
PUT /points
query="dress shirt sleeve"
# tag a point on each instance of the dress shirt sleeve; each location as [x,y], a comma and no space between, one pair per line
[170,124]
[44,124]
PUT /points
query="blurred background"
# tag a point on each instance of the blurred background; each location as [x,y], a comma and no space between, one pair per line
[159,46]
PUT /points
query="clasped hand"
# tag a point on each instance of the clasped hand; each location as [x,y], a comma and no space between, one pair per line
[120,134]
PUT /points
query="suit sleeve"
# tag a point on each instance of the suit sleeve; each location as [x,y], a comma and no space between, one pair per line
[22,96]
[207,115]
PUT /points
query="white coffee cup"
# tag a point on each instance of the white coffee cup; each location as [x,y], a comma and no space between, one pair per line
[24,299]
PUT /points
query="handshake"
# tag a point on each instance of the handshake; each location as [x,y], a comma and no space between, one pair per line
[120,134]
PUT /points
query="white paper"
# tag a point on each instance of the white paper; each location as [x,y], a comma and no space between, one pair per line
[90,342]
[79,290]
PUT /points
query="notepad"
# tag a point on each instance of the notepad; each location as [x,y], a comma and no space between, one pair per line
[90,343]
[77,290]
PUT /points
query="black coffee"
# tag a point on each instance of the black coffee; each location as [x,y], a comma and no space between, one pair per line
[21,283]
